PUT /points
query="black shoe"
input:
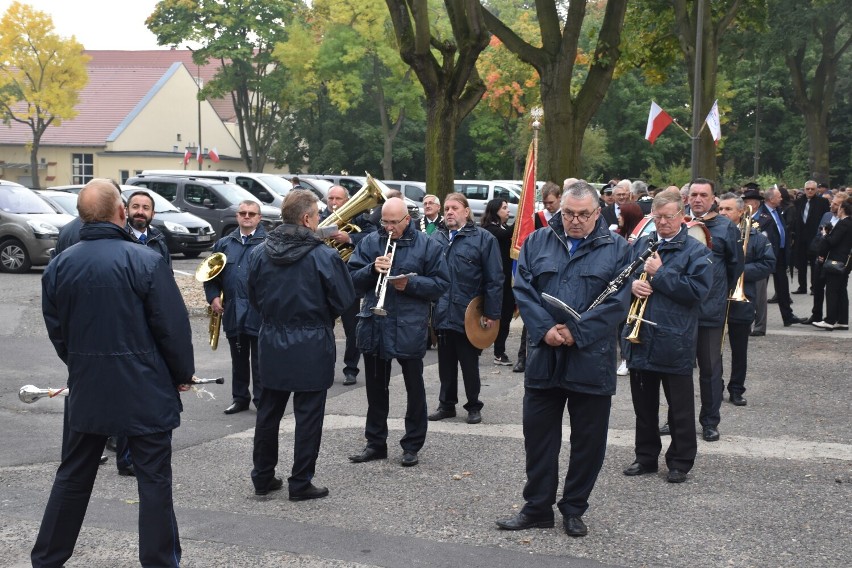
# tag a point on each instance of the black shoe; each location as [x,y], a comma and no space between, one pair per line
[710,434]
[442,413]
[637,468]
[676,476]
[522,522]
[236,406]
[738,399]
[502,360]
[799,291]
[810,320]
[110,443]
[757,333]
[349,379]
[409,459]
[772,300]
[127,471]
[474,417]
[574,526]
[665,430]
[793,320]
[274,485]
[312,492]
[520,366]
[104,459]
[369,454]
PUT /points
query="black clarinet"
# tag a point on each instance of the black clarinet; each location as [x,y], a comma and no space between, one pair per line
[625,275]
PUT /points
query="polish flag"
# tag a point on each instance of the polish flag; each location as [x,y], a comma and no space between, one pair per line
[199,156]
[186,157]
[658,120]
[213,155]
[713,124]
[524,220]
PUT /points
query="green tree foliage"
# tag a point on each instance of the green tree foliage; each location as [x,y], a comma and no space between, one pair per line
[41,74]
[573,82]
[240,35]
[445,65]
[344,48]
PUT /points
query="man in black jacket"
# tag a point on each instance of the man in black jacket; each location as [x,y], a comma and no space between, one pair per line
[128,349]
[810,208]
[140,213]
[299,286]
[398,330]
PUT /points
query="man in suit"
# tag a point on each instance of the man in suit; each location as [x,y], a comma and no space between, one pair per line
[810,208]
[431,214]
[752,198]
[772,224]
[621,195]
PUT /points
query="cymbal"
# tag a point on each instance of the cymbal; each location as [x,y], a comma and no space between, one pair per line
[478,335]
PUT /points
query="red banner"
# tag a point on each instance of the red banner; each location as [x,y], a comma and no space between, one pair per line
[524,220]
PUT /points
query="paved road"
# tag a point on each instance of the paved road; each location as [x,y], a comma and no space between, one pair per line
[775,491]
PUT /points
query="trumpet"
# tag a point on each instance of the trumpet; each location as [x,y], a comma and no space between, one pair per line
[382,283]
[209,269]
[738,294]
[31,393]
[636,313]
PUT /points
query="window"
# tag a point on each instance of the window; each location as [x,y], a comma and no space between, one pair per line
[414,193]
[199,195]
[123,176]
[167,190]
[82,168]
[473,191]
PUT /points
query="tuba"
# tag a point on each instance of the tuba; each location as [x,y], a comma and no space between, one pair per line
[209,269]
[372,194]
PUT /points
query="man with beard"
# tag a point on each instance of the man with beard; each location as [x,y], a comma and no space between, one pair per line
[227,294]
[140,213]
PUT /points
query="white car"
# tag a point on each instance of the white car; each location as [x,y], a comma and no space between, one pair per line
[480,192]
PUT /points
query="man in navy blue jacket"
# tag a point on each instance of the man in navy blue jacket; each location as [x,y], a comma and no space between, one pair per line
[475,269]
[568,361]
[116,318]
[420,277]
[240,320]
[679,278]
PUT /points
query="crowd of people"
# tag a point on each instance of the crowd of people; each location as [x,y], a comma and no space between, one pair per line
[623,268]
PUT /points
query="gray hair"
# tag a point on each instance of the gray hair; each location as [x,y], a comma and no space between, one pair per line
[731,195]
[665,197]
[435,197]
[296,205]
[581,190]
[639,188]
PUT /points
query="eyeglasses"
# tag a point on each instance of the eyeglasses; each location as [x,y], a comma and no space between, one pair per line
[247,214]
[392,223]
[671,217]
[582,217]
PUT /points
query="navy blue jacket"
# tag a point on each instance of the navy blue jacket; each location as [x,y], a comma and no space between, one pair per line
[401,334]
[239,316]
[475,269]
[544,266]
[299,286]
[156,242]
[759,265]
[117,319]
[680,285]
[727,258]
[69,235]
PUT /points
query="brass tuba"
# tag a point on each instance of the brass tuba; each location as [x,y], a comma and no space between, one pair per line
[372,194]
[209,269]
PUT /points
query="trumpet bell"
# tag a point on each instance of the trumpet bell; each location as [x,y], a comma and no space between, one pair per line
[210,267]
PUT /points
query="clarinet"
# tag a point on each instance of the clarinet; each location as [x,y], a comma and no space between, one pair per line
[622,278]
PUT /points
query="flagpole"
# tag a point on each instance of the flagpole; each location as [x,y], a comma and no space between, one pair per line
[536,114]
[696,84]
[685,131]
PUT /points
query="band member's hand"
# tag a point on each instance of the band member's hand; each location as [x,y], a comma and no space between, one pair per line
[641,288]
[216,305]
[341,237]
[553,337]
[488,323]
[399,284]
[565,334]
[653,264]
[183,388]
[382,264]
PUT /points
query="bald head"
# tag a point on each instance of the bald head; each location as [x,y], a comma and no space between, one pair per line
[99,201]
[395,217]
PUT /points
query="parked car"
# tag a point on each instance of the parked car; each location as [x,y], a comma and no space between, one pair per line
[413,190]
[185,233]
[351,183]
[319,187]
[62,201]
[480,192]
[214,201]
[29,228]
[270,189]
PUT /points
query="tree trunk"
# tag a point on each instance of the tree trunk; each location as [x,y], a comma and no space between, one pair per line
[35,183]
[558,135]
[440,144]
[816,125]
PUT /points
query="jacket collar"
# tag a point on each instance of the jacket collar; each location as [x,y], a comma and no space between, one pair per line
[104,230]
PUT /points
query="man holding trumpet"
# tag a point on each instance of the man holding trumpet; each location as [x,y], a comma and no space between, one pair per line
[401,271]
[679,277]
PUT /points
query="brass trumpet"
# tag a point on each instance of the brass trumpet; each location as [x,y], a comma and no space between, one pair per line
[209,269]
[382,283]
[369,196]
[738,295]
[636,313]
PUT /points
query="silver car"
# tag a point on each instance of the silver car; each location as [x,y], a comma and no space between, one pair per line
[29,228]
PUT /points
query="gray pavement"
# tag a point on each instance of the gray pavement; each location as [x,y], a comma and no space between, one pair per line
[775,491]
